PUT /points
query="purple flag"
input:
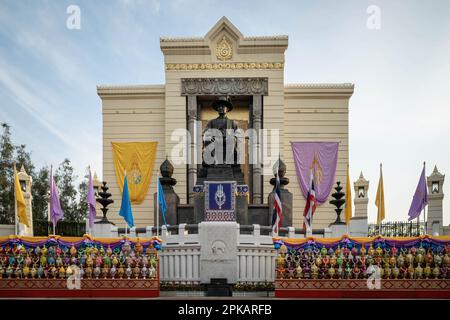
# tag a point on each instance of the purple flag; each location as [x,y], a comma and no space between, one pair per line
[56,212]
[420,198]
[319,157]
[91,201]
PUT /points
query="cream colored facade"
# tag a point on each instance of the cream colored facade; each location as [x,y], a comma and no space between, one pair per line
[314,112]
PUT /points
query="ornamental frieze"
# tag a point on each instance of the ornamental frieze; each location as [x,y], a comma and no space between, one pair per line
[220,86]
[225,66]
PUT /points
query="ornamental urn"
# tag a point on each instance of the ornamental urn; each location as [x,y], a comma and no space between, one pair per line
[53,272]
[105,272]
[128,272]
[356,272]
[299,272]
[393,261]
[136,271]
[437,259]
[73,250]
[97,272]
[89,261]
[323,251]
[113,271]
[40,272]
[69,271]
[115,261]
[33,272]
[418,272]
[144,272]
[26,271]
[400,260]
[62,272]
[436,272]
[409,258]
[109,251]
[427,271]
[314,271]
[152,272]
[446,259]
[88,272]
[411,271]
[387,271]
[331,272]
[395,272]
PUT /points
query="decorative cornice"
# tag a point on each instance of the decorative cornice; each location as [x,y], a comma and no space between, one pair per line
[314,90]
[136,90]
[224,86]
[320,85]
[225,66]
[194,39]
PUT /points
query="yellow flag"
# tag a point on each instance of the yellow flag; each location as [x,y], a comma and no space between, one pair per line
[20,200]
[348,198]
[137,158]
[379,201]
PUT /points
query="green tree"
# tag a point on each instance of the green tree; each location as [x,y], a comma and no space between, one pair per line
[65,180]
[40,192]
[6,176]
[23,158]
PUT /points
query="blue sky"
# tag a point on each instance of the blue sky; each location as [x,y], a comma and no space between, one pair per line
[399,113]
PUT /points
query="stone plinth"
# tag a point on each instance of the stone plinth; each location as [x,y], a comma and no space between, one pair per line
[102,230]
[218,254]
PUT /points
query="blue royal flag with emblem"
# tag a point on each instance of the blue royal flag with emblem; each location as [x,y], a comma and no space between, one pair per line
[162,202]
[125,207]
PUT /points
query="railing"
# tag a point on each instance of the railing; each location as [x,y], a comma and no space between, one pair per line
[63,228]
[398,229]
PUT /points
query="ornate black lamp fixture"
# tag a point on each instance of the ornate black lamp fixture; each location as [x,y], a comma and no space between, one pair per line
[338,201]
[104,201]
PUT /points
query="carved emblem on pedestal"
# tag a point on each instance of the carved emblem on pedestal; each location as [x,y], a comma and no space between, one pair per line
[224,49]
[218,249]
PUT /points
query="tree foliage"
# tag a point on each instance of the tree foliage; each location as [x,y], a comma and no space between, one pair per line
[73,200]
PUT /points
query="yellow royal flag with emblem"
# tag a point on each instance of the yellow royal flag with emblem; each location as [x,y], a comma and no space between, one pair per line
[20,200]
[348,198]
[379,201]
[137,158]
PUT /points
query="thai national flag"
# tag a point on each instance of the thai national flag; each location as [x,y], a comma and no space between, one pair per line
[277,207]
[310,206]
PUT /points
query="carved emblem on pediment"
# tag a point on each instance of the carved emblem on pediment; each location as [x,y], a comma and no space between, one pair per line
[224,49]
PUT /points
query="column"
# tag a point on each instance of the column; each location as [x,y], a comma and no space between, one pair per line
[435,212]
[359,224]
[192,167]
[255,149]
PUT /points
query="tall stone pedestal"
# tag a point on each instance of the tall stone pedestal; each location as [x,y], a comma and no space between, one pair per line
[218,254]
[359,227]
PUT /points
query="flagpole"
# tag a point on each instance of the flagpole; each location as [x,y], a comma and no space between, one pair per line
[157,205]
[49,197]
[379,200]
[424,219]
[51,182]
[16,228]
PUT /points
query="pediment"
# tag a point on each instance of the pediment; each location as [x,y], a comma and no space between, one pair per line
[222,28]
